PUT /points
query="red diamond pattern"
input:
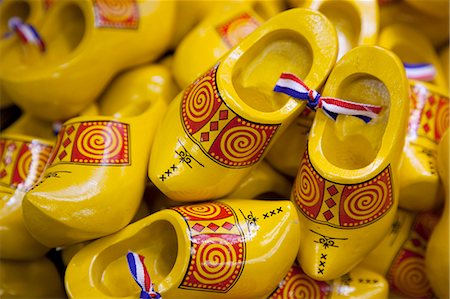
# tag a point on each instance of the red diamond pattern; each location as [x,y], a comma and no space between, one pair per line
[213,226]
[328,215]
[70,130]
[330,202]
[227,225]
[426,127]
[431,100]
[204,136]
[429,114]
[62,155]
[332,190]
[416,242]
[3,173]
[67,142]
[214,126]
[198,227]
[223,114]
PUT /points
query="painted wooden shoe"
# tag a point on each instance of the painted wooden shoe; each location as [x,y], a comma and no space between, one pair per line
[83,51]
[358,283]
[208,250]
[96,174]
[418,180]
[345,190]
[437,254]
[30,279]
[223,28]
[400,257]
[263,179]
[219,127]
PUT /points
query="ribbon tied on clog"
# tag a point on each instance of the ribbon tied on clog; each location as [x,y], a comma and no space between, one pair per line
[294,87]
[420,71]
[141,276]
[26,32]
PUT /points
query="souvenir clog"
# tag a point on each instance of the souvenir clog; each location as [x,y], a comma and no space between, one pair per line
[437,254]
[208,250]
[263,179]
[418,178]
[356,22]
[400,257]
[95,177]
[83,51]
[30,279]
[345,190]
[358,283]
[219,127]
[222,29]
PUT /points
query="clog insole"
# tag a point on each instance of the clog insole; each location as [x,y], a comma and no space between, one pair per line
[349,142]
[257,71]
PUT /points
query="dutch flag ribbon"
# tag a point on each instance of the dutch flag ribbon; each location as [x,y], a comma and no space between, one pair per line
[141,276]
[26,32]
[420,71]
[294,87]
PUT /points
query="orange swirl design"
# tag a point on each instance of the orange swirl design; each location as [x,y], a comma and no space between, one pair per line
[240,143]
[116,10]
[442,119]
[307,187]
[200,100]
[100,142]
[32,163]
[215,261]
[204,211]
[368,202]
[410,278]
[301,286]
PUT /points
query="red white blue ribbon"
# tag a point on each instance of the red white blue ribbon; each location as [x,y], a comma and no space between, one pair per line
[294,87]
[26,32]
[420,71]
[141,276]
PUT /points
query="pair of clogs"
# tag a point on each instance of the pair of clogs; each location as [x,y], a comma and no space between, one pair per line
[69,56]
[93,179]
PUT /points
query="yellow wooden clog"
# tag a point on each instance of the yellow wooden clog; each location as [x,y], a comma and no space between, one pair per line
[84,43]
[418,179]
[30,279]
[437,254]
[219,127]
[263,179]
[208,250]
[359,283]
[345,190]
[400,257]
[96,174]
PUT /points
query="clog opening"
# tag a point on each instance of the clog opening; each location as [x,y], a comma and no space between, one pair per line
[350,143]
[65,33]
[19,9]
[347,22]
[156,242]
[259,68]
[115,105]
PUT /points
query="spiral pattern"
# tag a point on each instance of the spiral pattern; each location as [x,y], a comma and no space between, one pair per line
[301,286]
[199,101]
[367,202]
[116,10]
[410,278]
[307,186]
[442,119]
[100,142]
[216,261]
[32,163]
[201,211]
[240,144]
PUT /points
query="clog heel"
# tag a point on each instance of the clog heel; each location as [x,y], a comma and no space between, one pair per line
[220,126]
[81,49]
[30,279]
[437,262]
[208,250]
[345,190]
[419,183]
[105,157]
[358,283]
[25,148]
[400,256]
